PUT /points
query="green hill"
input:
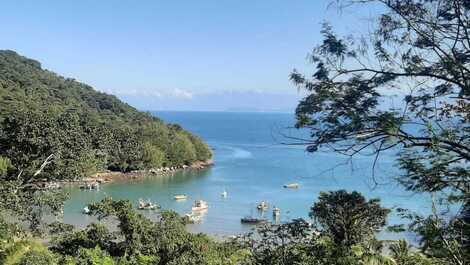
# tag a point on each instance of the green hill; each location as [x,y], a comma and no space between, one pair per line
[43,114]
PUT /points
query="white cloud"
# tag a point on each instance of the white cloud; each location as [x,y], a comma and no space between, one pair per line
[175,93]
[181,94]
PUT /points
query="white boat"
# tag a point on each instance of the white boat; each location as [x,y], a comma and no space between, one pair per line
[90,186]
[292,186]
[147,205]
[276,212]
[262,206]
[86,210]
[181,197]
[200,205]
[193,218]
[224,194]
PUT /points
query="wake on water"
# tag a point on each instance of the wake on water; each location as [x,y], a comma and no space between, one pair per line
[239,153]
[233,153]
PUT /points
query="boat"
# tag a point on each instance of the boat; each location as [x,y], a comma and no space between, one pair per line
[253,220]
[86,210]
[90,186]
[262,206]
[292,186]
[147,205]
[276,212]
[181,197]
[224,194]
[193,218]
[200,205]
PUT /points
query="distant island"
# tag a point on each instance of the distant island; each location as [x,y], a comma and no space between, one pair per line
[78,131]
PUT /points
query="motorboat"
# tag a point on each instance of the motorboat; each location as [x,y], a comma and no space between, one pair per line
[86,210]
[262,206]
[200,205]
[253,220]
[224,194]
[90,186]
[147,205]
[276,211]
[181,197]
[292,186]
[193,217]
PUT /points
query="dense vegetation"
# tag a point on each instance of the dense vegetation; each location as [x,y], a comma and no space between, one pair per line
[420,50]
[53,128]
[419,46]
[43,114]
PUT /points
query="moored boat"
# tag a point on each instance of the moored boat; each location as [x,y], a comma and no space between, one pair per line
[181,197]
[263,206]
[193,218]
[200,205]
[292,186]
[224,194]
[90,186]
[86,210]
[276,211]
[253,220]
[147,205]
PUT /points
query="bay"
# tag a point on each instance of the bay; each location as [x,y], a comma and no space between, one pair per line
[254,158]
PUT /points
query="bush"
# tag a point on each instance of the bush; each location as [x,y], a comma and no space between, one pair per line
[5,166]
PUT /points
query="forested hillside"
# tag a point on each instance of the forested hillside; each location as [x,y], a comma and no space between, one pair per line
[84,131]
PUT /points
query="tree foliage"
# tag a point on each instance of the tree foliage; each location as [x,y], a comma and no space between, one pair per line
[349,218]
[165,241]
[420,51]
[42,113]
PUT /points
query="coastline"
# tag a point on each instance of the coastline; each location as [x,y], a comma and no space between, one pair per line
[111,176]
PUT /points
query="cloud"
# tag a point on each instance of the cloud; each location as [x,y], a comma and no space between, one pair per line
[181,94]
[210,100]
[176,93]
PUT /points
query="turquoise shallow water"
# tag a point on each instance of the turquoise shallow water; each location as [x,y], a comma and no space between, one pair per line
[252,164]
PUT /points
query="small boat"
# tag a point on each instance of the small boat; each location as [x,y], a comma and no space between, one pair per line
[224,194]
[193,218]
[292,186]
[200,205]
[276,212]
[86,210]
[147,205]
[263,206]
[181,197]
[253,220]
[90,186]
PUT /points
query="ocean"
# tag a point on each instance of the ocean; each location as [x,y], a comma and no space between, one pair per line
[255,155]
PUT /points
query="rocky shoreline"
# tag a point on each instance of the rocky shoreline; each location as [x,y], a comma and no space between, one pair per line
[109,176]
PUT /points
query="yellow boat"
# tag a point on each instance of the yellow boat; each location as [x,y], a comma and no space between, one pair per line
[181,197]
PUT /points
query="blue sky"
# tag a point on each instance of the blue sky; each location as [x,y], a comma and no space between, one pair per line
[177,55]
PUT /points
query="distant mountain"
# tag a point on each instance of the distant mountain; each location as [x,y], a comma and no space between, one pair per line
[43,114]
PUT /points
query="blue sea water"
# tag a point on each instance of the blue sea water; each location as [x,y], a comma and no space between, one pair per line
[253,160]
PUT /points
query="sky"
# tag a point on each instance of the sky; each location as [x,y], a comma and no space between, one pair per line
[205,55]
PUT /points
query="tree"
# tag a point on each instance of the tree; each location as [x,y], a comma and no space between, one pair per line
[5,166]
[289,243]
[348,217]
[153,157]
[28,253]
[420,50]
[23,197]
[42,113]
[139,239]
[93,257]
[403,255]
